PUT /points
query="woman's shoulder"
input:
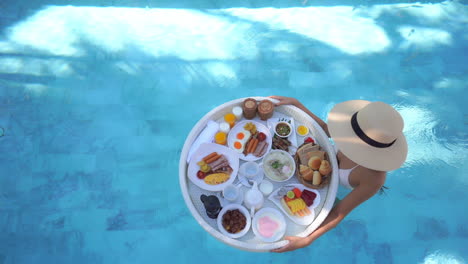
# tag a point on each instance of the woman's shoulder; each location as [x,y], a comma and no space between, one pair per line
[373,178]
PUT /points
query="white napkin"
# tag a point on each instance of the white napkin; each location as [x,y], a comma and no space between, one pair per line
[206,136]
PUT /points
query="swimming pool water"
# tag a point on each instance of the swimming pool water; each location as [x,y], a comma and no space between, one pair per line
[96,99]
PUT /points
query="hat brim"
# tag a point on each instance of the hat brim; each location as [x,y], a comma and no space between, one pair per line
[342,133]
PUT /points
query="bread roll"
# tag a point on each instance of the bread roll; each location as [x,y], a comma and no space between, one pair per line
[325,167]
[306,172]
[317,178]
[314,162]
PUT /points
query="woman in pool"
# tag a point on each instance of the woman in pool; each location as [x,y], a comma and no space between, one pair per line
[370,141]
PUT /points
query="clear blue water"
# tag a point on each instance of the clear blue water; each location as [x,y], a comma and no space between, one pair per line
[97,97]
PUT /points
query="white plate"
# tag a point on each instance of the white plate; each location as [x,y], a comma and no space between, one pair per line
[240,126]
[243,210]
[204,150]
[306,220]
[279,217]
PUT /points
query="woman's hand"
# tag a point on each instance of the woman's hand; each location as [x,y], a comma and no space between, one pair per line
[294,243]
[283,100]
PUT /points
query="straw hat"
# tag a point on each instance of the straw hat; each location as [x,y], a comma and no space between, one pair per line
[369,133]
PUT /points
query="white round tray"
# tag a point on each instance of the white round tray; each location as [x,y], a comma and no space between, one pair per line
[249,242]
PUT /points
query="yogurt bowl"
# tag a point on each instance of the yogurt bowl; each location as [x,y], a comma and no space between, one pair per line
[269,224]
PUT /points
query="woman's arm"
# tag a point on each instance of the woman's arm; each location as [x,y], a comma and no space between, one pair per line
[359,195]
[292,101]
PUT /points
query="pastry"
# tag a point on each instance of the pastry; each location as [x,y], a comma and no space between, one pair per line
[314,162]
[306,172]
[306,151]
[316,178]
[325,167]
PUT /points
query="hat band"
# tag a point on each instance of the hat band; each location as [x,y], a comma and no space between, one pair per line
[357,129]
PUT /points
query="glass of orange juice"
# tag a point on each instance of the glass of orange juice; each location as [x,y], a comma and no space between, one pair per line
[230,118]
[220,138]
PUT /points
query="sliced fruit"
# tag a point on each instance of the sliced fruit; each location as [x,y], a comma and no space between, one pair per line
[290,194]
[308,197]
[286,207]
[297,192]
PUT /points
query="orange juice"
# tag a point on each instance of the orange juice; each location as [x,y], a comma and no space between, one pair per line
[230,118]
[220,138]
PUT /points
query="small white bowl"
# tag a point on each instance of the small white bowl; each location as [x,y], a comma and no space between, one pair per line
[277,217]
[244,211]
[288,125]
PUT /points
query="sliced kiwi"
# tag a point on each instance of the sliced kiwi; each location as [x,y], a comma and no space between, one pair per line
[290,194]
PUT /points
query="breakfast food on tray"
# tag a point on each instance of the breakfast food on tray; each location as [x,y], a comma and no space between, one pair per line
[230,118]
[220,138]
[302,130]
[241,139]
[268,226]
[316,178]
[249,108]
[280,143]
[313,166]
[278,165]
[216,178]
[251,127]
[306,172]
[237,111]
[325,167]
[308,197]
[234,221]
[224,127]
[214,169]
[308,151]
[283,129]
[250,141]
[265,109]
[314,162]
[293,203]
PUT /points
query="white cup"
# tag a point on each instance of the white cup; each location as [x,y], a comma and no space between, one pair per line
[266,187]
[231,192]
[224,127]
[250,169]
[237,111]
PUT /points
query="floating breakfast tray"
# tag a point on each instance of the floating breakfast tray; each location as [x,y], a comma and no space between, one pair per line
[250,242]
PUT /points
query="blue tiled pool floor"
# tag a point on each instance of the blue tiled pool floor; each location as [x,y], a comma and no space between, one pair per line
[96,101]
